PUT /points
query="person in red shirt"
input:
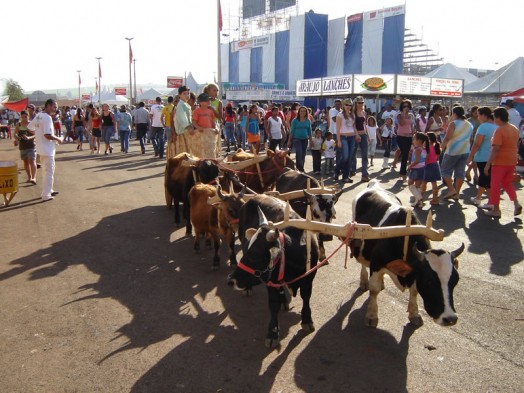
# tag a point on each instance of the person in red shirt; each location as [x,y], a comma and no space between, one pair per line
[204,141]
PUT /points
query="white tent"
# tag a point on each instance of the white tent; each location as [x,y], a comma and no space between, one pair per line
[116,100]
[506,79]
[450,71]
[2,100]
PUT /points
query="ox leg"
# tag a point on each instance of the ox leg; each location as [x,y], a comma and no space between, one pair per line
[413,314]
[273,331]
[306,289]
[177,213]
[321,250]
[230,240]
[189,227]
[196,243]
[375,286]
[216,257]
[364,278]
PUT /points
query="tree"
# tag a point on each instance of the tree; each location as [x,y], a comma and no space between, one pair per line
[13,90]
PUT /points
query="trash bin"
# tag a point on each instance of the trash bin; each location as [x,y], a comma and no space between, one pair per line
[8,180]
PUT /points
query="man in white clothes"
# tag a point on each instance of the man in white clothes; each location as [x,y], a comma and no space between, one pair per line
[390,113]
[46,141]
[332,118]
[157,128]
[514,115]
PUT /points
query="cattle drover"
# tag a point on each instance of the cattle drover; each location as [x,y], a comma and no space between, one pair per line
[430,272]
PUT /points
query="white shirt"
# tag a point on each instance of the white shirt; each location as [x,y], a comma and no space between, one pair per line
[514,117]
[43,124]
[333,112]
[156,113]
[275,127]
[329,148]
[392,114]
[372,133]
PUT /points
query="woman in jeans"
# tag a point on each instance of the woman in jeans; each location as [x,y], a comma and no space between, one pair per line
[79,124]
[404,135]
[361,138]
[345,123]
[108,127]
[124,127]
[230,124]
[299,136]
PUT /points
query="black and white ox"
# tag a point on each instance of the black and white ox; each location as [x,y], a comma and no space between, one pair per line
[432,273]
[274,258]
[322,205]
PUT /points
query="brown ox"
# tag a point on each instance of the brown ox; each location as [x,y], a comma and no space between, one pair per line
[263,176]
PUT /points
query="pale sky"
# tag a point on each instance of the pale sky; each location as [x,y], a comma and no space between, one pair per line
[45,43]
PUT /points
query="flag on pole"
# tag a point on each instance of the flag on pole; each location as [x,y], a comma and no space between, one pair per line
[96,85]
[130,53]
[219,16]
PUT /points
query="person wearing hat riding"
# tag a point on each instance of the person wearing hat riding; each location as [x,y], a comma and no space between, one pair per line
[124,128]
[204,141]
[183,122]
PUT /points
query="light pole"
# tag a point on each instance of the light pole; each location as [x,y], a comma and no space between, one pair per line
[130,61]
[99,79]
[79,83]
[134,77]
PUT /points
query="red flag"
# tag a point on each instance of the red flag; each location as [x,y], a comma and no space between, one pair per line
[130,53]
[219,16]
[99,70]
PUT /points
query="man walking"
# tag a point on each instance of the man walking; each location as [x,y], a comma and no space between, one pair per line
[141,121]
[42,126]
[157,128]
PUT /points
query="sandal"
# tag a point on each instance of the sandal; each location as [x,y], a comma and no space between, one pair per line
[452,195]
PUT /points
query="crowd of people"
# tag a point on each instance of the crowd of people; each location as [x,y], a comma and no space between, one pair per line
[447,145]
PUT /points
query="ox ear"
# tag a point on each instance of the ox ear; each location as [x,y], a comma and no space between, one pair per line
[262,220]
[399,267]
[249,233]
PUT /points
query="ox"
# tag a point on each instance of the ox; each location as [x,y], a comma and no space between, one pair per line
[430,272]
[274,258]
[270,169]
[218,218]
[322,205]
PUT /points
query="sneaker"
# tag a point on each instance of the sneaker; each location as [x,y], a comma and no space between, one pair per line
[475,201]
[492,213]
[486,206]
[348,180]
[518,210]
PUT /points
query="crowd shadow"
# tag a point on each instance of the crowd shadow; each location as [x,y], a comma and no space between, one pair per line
[347,356]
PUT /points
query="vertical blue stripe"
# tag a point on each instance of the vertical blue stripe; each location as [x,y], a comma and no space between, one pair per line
[281,58]
[315,45]
[256,65]
[311,102]
[233,65]
[393,44]
[353,47]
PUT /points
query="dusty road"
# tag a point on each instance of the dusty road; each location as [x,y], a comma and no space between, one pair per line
[99,292]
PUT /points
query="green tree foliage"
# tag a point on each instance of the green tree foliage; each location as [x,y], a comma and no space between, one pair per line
[13,90]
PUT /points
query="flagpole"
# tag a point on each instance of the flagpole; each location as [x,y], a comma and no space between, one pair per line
[130,81]
[79,83]
[99,80]
[219,55]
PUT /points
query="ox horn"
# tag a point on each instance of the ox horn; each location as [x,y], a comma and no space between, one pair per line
[262,220]
[219,193]
[458,251]
[417,253]
[242,192]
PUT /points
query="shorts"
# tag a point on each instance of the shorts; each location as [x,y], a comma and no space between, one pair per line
[454,165]
[28,154]
[372,147]
[416,174]
[432,172]
[96,132]
[484,181]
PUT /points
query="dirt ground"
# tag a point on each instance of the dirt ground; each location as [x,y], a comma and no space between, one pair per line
[100,292]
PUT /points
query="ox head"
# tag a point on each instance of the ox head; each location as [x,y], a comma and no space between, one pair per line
[323,205]
[229,205]
[436,281]
[263,250]
[207,171]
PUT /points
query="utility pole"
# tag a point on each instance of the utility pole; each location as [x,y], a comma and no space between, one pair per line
[130,81]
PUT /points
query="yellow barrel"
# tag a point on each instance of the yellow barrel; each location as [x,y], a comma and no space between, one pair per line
[8,177]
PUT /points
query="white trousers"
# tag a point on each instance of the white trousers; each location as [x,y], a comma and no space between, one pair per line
[48,166]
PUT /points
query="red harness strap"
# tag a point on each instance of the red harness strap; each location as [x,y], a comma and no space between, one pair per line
[281,258]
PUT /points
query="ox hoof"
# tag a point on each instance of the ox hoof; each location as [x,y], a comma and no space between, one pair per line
[272,343]
[416,320]
[364,286]
[371,322]
[308,327]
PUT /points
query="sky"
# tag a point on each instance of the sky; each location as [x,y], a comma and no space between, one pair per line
[175,37]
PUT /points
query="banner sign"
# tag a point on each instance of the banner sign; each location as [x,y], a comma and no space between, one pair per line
[243,86]
[385,12]
[413,85]
[374,84]
[309,87]
[120,91]
[446,87]
[337,85]
[174,82]
[86,97]
[255,42]
[262,95]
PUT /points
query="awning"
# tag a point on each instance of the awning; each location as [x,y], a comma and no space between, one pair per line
[16,106]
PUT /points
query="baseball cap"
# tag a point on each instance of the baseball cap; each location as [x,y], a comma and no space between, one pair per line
[203,97]
[182,89]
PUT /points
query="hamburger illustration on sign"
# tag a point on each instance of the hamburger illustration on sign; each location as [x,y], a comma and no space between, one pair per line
[374,84]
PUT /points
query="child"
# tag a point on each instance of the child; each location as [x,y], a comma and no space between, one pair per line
[386,135]
[329,153]
[432,169]
[372,134]
[416,167]
[204,141]
[316,146]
